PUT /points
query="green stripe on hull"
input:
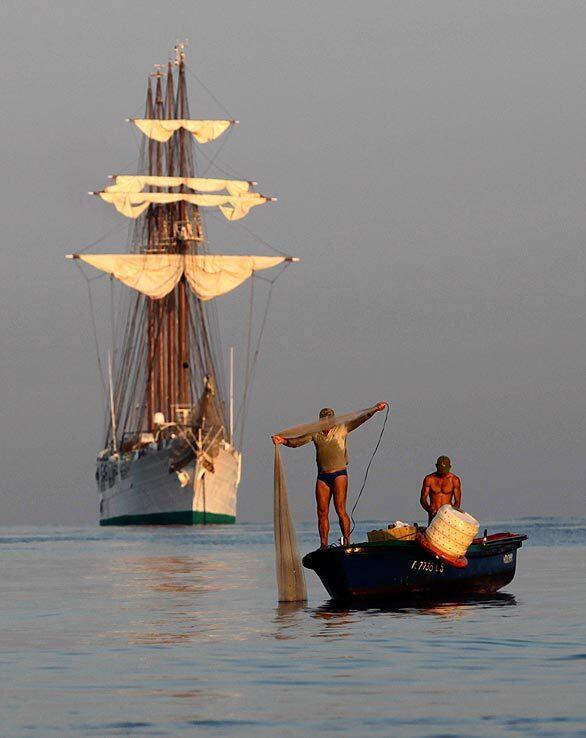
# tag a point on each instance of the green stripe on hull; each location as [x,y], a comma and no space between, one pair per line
[182,517]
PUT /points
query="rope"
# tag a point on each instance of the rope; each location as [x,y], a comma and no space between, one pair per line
[117,227]
[253,367]
[112,317]
[219,218]
[190,71]
[251,373]
[248,354]
[260,240]
[223,166]
[215,156]
[367,470]
[95,332]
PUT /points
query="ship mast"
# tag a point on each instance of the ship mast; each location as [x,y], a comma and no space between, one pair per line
[171,298]
[170,230]
[152,385]
[170,358]
[183,245]
[160,228]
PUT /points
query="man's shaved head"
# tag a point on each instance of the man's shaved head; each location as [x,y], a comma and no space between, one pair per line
[443,464]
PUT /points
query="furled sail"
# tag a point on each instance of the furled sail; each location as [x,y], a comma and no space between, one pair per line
[137,183]
[212,275]
[235,211]
[233,207]
[155,275]
[203,131]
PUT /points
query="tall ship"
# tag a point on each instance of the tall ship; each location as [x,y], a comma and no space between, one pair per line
[169,454]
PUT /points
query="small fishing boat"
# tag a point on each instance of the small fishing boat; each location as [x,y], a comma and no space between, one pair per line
[397,569]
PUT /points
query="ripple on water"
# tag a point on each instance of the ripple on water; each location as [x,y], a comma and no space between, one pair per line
[175,632]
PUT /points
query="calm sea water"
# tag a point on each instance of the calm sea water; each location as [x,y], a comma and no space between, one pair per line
[175,632]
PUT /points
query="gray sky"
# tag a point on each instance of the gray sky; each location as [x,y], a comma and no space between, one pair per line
[429,163]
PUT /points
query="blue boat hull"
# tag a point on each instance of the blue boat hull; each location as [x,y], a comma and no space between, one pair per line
[397,569]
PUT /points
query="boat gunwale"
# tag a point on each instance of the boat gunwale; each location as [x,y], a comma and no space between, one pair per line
[479,548]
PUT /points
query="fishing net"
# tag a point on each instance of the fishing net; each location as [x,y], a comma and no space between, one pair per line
[290,576]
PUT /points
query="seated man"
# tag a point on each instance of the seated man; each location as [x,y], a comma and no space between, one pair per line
[332,474]
[440,488]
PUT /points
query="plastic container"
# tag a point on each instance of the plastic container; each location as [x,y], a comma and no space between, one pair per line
[452,531]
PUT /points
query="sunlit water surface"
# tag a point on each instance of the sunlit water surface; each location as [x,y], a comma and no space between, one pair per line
[175,631]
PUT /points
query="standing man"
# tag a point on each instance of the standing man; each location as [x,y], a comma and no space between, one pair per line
[332,474]
[440,488]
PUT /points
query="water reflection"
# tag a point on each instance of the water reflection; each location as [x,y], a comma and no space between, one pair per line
[335,622]
[337,619]
[174,574]
[449,608]
[169,591]
[289,616]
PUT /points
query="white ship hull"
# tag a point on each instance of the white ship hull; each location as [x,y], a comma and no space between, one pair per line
[140,489]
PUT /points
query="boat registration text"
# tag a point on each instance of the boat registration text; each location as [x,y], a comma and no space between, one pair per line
[431,566]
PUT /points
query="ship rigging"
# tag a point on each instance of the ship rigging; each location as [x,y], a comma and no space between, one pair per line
[169,454]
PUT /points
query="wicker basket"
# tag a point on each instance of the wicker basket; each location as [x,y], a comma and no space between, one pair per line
[395,533]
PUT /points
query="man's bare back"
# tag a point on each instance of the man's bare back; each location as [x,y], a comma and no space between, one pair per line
[440,488]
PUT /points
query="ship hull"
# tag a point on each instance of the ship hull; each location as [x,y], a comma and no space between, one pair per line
[180,517]
[143,491]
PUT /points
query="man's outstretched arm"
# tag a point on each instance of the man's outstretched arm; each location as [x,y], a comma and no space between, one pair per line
[293,442]
[353,424]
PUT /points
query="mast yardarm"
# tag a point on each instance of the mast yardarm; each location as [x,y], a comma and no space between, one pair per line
[137,183]
[203,131]
[156,275]
[233,207]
